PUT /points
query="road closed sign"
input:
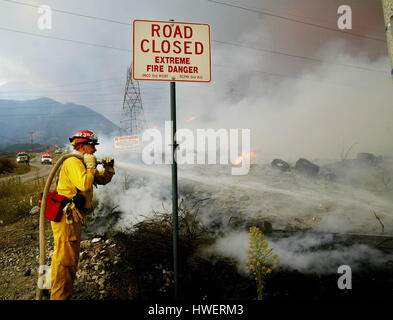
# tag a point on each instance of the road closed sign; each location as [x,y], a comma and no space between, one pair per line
[171,51]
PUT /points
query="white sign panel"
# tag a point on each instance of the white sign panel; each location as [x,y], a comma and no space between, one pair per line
[171,51]
[126,142]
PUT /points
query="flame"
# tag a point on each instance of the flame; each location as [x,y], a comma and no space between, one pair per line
[245,155]
[190,119]
[239,160]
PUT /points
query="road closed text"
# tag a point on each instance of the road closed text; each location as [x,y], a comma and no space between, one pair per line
[161,40]
[172,51]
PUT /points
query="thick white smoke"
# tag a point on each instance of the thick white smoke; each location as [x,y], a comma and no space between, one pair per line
[313,114]
[302,252]
[317,114]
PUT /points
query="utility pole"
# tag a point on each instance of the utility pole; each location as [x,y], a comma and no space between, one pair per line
[31,143]
[387,6]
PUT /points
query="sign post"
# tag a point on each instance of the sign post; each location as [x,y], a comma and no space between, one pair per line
[176,52]
[175,228]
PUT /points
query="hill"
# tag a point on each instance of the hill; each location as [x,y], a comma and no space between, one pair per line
[50,121]
[14,148]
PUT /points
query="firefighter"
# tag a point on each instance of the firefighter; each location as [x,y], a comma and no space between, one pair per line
[76,181]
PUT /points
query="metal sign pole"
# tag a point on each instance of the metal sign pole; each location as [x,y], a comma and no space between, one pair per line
[175,229]
[189,53]
[174,190]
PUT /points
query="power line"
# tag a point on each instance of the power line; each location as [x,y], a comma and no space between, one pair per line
[217,41]
[294,20]
[294,77]
[63,39]
[67,90]
[44,91]
[58,104]
[81,83]
[71,13]
[297,56]
[213,1]
[104,91]
[110,97]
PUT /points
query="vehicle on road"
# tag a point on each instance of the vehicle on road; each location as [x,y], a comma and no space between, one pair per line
[46,158]
[22,157]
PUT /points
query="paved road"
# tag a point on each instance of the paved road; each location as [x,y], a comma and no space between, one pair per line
[43,170]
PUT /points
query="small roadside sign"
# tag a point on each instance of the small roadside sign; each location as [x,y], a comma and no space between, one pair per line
[171,51]
[126,142]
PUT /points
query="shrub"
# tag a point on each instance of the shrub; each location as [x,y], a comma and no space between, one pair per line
[17,199]
[261,260]
[6,165]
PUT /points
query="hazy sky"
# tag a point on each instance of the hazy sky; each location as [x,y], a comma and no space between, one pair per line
[289,81]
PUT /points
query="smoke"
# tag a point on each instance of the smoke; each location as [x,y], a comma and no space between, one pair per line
[12,70]
[316,110]
[306,252]
[314,113]
[285,200]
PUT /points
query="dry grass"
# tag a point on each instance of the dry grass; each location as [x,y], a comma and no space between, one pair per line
[150,238]
[9,167]
[17,199]
[147,255]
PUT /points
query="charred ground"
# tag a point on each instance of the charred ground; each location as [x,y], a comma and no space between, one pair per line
[136,263]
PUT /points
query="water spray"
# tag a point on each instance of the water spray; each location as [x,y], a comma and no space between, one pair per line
[229,182]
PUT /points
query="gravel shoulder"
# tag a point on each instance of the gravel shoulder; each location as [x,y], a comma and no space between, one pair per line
[19,261]
[19,256]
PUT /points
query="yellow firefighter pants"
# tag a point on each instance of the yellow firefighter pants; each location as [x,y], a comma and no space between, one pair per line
[65,258]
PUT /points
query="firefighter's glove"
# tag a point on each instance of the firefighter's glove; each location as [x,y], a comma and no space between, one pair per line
[89,160]
[108,164]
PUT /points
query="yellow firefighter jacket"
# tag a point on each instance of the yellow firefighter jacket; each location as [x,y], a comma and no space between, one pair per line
[74,176]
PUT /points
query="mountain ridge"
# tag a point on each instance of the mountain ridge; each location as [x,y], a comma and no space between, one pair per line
[48,121]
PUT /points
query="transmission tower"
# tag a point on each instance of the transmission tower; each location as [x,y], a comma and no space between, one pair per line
[133,119]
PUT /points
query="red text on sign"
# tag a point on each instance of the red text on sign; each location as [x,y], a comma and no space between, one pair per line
[177,47]
[169,31]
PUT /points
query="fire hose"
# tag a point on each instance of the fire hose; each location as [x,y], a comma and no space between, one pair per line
[42,218]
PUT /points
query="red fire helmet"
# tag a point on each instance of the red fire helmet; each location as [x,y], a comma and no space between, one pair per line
[83,137]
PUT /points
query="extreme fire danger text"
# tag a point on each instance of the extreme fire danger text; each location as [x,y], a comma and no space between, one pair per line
[171,51]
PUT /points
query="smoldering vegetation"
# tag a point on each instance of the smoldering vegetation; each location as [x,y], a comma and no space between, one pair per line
[314,220]
[318,208]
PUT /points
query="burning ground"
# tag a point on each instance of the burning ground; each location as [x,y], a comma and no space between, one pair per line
[315,222]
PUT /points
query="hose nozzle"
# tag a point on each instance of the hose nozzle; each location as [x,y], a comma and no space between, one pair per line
[104,162]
